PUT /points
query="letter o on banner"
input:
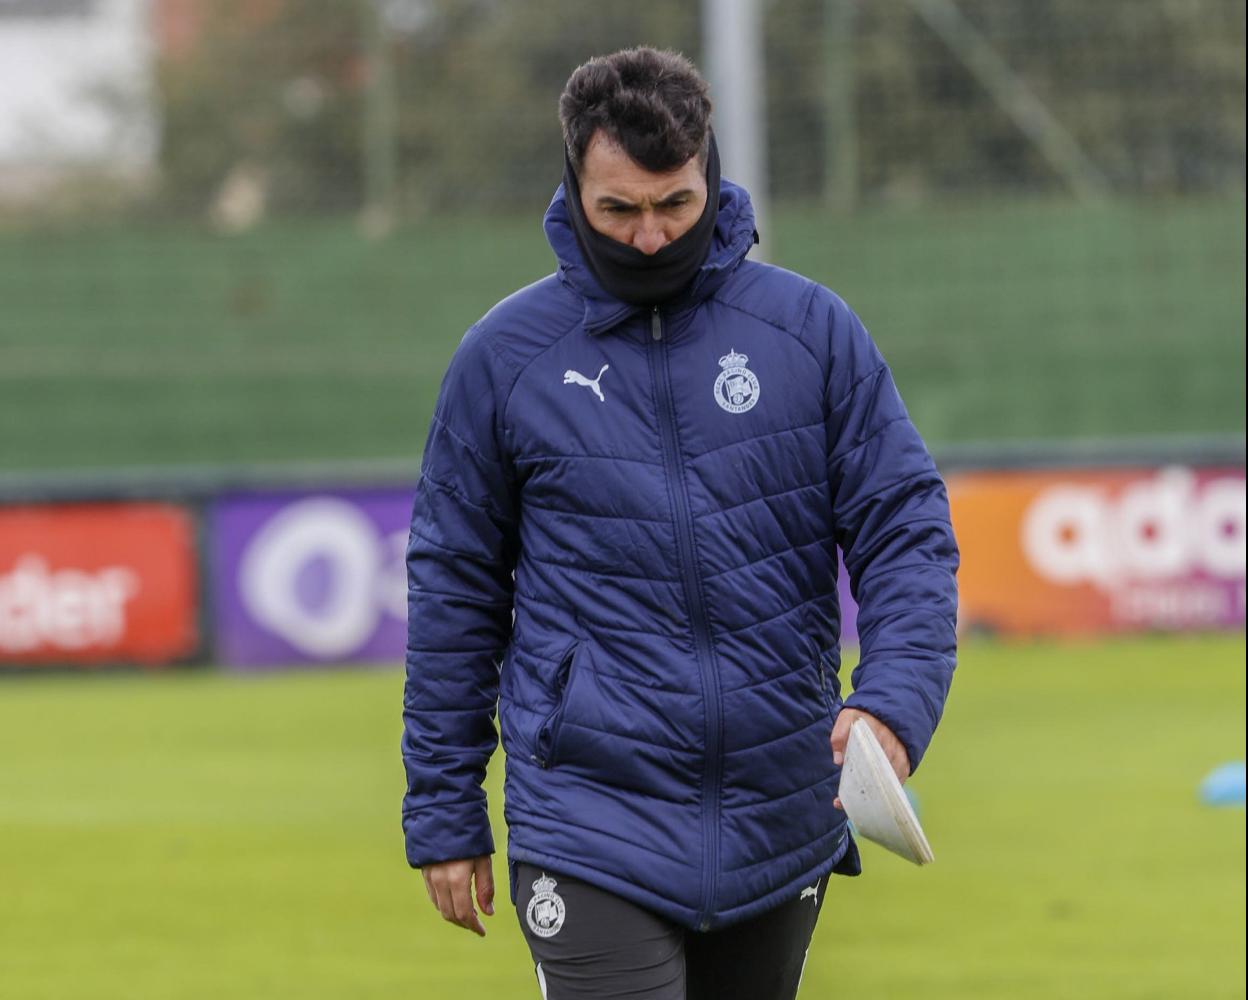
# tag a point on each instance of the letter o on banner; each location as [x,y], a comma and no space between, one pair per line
[319,528]
[1219,528]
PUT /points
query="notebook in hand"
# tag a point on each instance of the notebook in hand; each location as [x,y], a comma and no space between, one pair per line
[874,800]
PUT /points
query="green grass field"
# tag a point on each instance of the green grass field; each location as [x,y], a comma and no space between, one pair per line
[202,835]
[163,343]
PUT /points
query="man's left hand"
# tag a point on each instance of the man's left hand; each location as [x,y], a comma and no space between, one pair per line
[891,745]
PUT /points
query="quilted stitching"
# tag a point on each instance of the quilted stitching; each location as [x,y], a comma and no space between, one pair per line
[525,473]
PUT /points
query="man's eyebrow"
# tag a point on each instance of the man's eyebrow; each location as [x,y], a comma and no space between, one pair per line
[610,201]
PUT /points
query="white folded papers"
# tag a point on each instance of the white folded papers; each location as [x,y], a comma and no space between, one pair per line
[874,800]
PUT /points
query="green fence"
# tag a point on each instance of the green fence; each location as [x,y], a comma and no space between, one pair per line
[1037,206]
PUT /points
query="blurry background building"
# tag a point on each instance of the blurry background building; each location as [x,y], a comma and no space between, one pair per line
[75,93]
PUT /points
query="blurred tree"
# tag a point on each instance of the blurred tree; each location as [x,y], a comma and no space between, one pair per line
[480,83]
[1152,91]
[271,87]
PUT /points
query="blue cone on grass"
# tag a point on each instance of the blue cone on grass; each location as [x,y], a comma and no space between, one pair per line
[1224,785]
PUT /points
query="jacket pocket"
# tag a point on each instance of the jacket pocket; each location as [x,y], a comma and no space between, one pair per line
[829,683]
[546,744]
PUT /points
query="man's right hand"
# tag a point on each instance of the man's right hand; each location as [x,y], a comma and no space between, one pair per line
[450,884]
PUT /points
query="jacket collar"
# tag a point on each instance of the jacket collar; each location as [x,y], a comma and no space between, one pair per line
[734,235]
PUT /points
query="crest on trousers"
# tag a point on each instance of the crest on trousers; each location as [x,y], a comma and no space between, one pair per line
[736,389]
[546,911]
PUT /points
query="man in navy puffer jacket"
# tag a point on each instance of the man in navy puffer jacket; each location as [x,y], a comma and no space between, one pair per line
[650,457]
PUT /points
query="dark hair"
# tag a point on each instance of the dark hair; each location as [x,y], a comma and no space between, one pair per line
[652,104]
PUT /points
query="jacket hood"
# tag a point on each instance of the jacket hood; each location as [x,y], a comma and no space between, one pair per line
[734,235]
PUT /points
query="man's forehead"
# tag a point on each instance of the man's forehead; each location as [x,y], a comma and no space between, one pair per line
[609,171]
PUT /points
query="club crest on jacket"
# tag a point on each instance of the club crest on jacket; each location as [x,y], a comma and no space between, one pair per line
[736,389]
[546,911]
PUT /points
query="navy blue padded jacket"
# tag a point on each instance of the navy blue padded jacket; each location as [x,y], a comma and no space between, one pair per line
[659,496]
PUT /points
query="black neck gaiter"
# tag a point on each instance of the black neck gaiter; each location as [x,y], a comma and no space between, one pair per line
[624,271]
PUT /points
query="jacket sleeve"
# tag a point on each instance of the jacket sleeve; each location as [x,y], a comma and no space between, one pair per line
[892,523]
[460,558]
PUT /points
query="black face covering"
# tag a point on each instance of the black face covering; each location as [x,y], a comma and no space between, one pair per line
[627,273]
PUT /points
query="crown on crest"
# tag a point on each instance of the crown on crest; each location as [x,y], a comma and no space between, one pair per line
[733,360]
[544,884]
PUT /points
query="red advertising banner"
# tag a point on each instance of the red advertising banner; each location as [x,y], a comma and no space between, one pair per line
[1079,552]
[90,583]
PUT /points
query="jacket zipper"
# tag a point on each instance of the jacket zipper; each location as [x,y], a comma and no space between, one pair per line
[701,629]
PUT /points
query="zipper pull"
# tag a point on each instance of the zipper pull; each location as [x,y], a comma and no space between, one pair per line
[656,324]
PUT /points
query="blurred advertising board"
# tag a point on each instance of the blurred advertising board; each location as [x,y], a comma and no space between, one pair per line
[97,583]
[301,578]
[319,577]
[1098,551]
[310,577]
[849,607]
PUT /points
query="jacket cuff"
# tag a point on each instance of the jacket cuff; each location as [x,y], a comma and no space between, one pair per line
[897,712]
[447,833]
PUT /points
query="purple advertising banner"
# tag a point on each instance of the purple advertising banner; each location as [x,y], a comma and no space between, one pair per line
[849,607]
[302,578]
[310,578]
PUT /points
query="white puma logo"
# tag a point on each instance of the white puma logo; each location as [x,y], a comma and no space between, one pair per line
[575,377]
[811,891]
